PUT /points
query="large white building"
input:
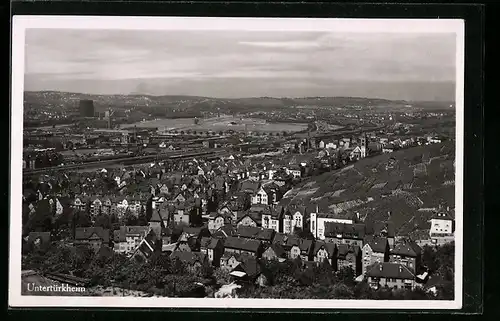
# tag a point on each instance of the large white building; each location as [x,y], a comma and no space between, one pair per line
[317,222]
[442,228]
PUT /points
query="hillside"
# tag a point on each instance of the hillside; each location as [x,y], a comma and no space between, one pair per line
[404,183]
[70,100]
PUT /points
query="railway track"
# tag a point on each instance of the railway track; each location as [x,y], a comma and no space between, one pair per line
[127,161]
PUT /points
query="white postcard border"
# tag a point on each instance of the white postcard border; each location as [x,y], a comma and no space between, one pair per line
[21,23]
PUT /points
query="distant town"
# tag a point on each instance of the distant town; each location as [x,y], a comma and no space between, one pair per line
[305,198]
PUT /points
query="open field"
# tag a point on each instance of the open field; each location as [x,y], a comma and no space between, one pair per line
[220,124]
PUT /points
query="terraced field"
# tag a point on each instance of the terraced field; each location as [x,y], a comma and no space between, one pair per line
[399,183]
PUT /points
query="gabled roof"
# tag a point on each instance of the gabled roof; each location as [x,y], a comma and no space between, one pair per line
[85,233]
[188,257]
[244,244]
[329,247]
[124,231]
[155,217]
[377,244]
[257,233]
[407,248]
[256,217]
[378,228]
[332,229]
[209,242]
[249,186]
[442,216]
[344,249]
[277,249]
[390,270]
[249,265]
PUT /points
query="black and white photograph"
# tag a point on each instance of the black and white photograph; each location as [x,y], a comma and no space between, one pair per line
[236,162]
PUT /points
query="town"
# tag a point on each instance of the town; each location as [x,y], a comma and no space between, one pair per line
[282,203]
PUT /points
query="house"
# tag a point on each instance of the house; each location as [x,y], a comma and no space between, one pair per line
[381,229]
[192,236]
[271,220]
[95,237]
[273,192]
[325,251]
[59,206]
[375,250]
[218,220]
[148,246]
[260,197]
[341,233]
[261,234]
[127,238]
[391,275]
[229,261]
[389,148]
[95,206]
[166,235]
[181,216]
[442,227]
[248,270]
[164,213]
[250,218]
[193,261]
[106,205]
[286,221]
[356,153]
[297,215]
[230,208]
[80,203]
[299,247]
[243,245]
[408,253]
[38,241]
[294,170]
[179,198]
[224,231]
[213,248]
[274,252]
[349,256]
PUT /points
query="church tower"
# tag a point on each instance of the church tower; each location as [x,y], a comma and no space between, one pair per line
[364,145]
[155,223]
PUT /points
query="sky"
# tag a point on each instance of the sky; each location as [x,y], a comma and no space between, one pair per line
[230,64]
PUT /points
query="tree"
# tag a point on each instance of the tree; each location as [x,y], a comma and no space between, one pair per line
[115,222]
[41,220]
[363,291]
[130,219]
[342,291]
[82,219]
[142,219]
[346,276]
[149,208]
[103,220]
[446,260]
[429,259]
[222,276]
